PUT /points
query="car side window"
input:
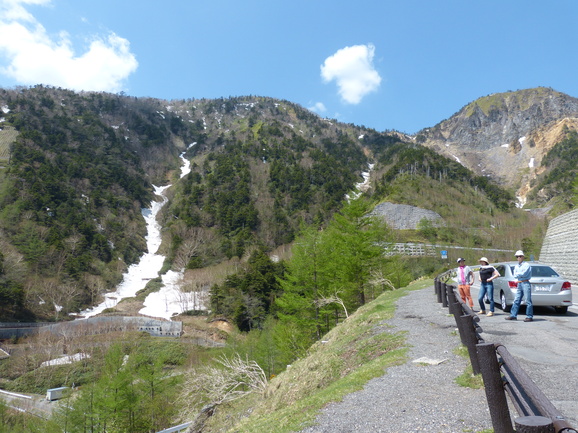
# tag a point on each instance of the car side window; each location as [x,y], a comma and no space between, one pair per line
[500,269]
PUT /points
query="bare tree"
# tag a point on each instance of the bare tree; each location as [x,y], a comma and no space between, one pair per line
[58,258]
[184,298]
[213,386]
[379,282]
[49,293]
[95,285]
[195,241]
[36,295]
[66,296]
[333,299]
[72,242]
[14,264]
[193,296]
[201,299]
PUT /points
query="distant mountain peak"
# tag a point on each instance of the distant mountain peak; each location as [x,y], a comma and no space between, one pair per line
[520,100]
[506,135]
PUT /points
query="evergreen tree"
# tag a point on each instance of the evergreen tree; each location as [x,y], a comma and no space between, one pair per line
[356,249]
[329,274]
[132,395]
[247,297]
[306,280]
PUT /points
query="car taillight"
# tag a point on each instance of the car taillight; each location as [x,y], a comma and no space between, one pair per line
[513,284]
[566,285]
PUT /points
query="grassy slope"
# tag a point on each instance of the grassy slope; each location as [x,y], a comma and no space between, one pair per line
[351,354]
[470,217]
[7,136]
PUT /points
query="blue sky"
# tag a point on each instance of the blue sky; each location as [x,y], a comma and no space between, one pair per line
[402,65]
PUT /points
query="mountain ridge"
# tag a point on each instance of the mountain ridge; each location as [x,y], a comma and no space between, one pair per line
[83,166]
[506,135]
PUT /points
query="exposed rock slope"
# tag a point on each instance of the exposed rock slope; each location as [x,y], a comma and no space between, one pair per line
[506,135]
[402,216]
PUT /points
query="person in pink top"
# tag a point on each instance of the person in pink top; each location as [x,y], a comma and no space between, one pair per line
[465,278]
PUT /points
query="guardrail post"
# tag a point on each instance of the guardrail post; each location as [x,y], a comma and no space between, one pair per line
[470,341]
[452,300]
[444,295]
[456,310]
[451,307]
[525,394]
[438,290]
[502,374]
[534,424]
[454,305]
[494,387]
[451,294]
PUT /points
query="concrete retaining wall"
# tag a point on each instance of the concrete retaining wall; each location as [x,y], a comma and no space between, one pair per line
[560,248]
[95,325]
[104,324]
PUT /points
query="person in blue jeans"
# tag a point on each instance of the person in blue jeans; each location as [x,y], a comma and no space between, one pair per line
[522,274]
[487,274]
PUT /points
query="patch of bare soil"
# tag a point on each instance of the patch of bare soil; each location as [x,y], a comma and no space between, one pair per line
[203,327]
[129,307]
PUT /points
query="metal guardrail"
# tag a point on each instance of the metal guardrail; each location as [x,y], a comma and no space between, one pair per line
[156,328]
[423,249]
[177,428]
[501,374]
[24,324]
[5,349]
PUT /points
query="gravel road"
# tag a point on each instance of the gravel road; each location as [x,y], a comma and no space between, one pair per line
[422,396]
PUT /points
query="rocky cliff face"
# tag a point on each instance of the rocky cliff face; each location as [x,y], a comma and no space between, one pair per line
[506,135]
[404,217]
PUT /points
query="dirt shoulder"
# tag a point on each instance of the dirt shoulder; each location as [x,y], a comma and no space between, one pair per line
[422,395]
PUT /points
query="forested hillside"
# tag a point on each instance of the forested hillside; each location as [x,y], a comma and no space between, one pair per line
[79,167]
[76,171]
[79,172]
[82,166]
[269,167]
[560,178]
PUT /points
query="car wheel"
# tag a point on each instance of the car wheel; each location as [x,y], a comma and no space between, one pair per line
[504,305]
[561,310]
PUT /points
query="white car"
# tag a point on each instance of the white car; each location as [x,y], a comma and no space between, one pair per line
[548,287]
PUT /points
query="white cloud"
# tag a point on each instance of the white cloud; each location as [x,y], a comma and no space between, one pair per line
[29,55]
[353,71]
[318,107]
[12,10]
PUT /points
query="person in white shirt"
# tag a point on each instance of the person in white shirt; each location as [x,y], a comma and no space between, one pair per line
[522,273]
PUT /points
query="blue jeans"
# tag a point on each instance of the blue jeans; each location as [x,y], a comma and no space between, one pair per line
[486,288]
[525,290]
